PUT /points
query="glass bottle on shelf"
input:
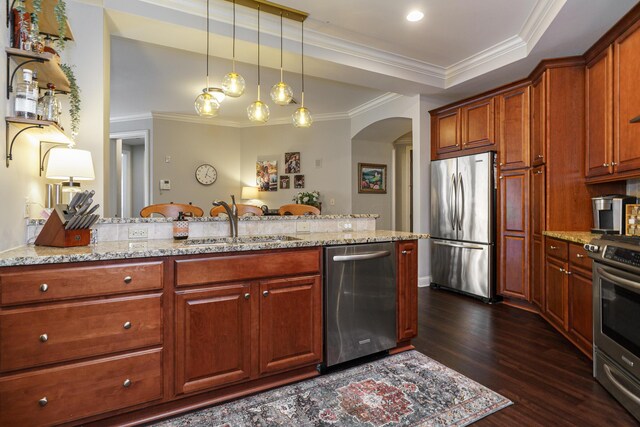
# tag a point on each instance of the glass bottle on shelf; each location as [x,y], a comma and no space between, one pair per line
[26,102]
[51,106]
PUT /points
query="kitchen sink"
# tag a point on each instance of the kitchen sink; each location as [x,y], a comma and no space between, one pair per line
[208,241]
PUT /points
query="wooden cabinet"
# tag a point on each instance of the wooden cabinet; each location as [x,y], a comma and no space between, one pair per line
[478,124]
[538,120]
[627,100]
[407,281]
[214,336]
[599,114]
[290,323]
[513,125]
[445,131]
[568,292]
[513,234]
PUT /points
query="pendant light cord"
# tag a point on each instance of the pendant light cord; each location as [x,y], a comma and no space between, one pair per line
[281,77]
[207,45]
[302,39]
[234,37]
[258,51]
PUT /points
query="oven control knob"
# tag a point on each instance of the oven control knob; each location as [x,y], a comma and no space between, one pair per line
[592,248]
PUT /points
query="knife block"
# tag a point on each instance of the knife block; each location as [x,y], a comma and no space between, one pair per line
[54,234]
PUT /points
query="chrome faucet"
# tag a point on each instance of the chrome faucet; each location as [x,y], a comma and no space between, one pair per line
[232,213]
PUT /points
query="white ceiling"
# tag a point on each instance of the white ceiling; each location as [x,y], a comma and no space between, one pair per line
[462,47]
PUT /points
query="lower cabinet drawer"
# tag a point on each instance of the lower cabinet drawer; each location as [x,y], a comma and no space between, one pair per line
[60,332]
[66,393]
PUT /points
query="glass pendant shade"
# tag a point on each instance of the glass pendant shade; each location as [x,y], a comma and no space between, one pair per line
[258,112]
[281,93]
[233,85]
[302,118]
[207,105]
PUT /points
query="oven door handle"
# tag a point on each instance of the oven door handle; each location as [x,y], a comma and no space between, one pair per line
[626,283]
[620,386]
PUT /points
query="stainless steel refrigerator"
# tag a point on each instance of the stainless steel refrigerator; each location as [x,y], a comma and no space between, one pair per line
[463,195]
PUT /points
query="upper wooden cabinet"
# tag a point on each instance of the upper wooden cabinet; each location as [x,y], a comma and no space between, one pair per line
[627,100]
[513,119]
[467,127]
[538,120]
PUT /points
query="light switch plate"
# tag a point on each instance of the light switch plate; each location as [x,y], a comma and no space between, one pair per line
[165,184]
[302,227]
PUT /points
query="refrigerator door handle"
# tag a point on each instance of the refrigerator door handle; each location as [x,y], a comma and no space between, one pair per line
[460,208]
[458,245]
[453,202]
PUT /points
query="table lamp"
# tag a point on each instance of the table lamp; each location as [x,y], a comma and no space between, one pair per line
[71,165]
[249,193]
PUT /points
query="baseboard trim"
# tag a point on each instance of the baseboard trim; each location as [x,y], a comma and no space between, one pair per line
[424,281]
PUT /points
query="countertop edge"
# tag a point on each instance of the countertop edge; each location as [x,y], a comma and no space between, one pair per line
[581,237]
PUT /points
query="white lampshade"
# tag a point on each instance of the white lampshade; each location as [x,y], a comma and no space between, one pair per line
[66,163]
[249,193]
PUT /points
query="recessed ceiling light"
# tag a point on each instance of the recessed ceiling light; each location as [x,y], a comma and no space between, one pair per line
[415,16]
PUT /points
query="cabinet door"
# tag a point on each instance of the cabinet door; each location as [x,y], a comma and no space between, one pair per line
[514,129]
[513,234]
[538,120]
[478,124]
[627,100]
[556,285]
[446,131]
[213,336]
[290,323]
[599,114]
[581,308]
[537,272]
[407,290]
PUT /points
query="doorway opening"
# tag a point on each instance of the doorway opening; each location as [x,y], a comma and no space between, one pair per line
[129,171]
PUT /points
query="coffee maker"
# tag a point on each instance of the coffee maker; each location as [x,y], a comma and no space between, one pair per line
[609,213]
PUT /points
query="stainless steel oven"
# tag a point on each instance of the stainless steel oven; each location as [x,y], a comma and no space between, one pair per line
[616,317]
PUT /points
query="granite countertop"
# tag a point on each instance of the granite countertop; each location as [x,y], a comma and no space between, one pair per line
[33,255]
[582,237]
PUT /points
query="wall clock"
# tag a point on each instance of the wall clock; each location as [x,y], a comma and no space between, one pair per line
[206,174]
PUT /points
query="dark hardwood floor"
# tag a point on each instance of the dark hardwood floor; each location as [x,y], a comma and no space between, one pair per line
[518,355]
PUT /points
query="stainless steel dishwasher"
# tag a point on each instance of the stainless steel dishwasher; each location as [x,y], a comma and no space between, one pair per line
[359,300]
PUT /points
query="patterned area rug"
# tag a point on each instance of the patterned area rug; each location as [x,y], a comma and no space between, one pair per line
[407,389]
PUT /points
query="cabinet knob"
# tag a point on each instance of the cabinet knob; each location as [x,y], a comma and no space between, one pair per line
[539,156]
[265,293]
[613,163]
[44,338]
[127,383]
[128,279]
[567,272]
[501,164]
[553,248]
[43,402]
[579,256]
[247,296]
[605,165]
[561,270]
[501,177]
[539,172]
[44,287]
[404,252]
[127,325]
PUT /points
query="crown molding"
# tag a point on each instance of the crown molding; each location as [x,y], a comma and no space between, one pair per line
[374,103]
[130,118]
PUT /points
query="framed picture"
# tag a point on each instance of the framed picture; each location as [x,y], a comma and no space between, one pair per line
[267,175]
[292,162]
[372,178]
[285,182]
[298,181]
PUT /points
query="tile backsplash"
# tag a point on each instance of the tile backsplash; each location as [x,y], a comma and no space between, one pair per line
[633,187]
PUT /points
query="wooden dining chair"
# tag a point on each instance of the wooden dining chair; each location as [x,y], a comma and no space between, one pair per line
[242,210]
[296,209]
[170,210]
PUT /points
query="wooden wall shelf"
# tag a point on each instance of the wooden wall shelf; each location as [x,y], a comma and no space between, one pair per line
[48,24]
[45,64]
[43,130]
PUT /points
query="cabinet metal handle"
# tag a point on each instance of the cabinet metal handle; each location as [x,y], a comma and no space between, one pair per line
[540,156]
[539,172]
[606,165]
[43,402]
[553,248]
[128,279]
[265,293]
[44,338]
[127,383]
[44,287]
[579,256]
[127,325]
[405,252]
[247,296]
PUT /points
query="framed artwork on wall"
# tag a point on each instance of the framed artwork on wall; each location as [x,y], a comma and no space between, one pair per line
[298,181]
[285,182]
[372,178]
[292,162]
[267,175]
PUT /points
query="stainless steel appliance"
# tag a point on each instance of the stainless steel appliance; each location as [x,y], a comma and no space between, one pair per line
[463,192]
[359,300]
[616,317]
[609,213]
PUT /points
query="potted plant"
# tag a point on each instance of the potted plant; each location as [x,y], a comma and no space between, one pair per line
[311,198]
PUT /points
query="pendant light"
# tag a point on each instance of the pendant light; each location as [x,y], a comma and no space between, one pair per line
[302,116]
[233,84]
[258,111]
[281,93]
[207,104]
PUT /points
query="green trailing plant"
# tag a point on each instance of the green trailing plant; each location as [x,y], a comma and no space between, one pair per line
[35,16]
[74,100]
[60,10]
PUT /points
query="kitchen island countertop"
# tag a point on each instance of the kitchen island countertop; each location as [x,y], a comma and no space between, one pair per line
[34,255]
[582,237]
